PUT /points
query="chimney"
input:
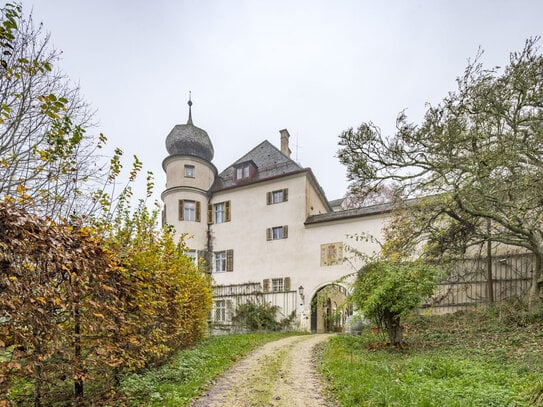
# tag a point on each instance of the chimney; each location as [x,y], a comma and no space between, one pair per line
[284,142]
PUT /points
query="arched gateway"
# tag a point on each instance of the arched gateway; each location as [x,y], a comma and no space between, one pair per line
[329,309]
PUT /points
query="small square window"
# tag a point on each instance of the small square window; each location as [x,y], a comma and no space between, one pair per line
[189,171]
[277,196]
[277,232]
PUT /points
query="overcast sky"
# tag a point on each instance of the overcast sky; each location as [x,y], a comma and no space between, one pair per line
[255,67]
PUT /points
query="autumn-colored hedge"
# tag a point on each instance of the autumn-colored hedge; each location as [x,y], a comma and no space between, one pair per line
[79,307]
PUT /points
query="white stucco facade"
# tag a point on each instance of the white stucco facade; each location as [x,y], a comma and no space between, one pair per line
[265,226]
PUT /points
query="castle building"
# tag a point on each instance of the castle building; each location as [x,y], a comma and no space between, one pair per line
[265,229]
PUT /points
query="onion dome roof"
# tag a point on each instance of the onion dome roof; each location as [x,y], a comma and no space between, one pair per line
[187,139]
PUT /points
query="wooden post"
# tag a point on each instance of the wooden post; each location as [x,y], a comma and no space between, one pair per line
[489,278]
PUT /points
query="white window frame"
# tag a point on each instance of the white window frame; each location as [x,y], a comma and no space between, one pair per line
[189,211]
[220,311]
[278,196]
[219,212]
[277,285]
[242,171]
[189,171]
[220,262]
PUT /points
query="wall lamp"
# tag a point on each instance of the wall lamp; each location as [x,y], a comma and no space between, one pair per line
[301,292]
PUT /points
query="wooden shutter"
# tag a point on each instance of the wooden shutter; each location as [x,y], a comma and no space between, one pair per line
[268,198]
[266,285]
[340,252]
[227,211]
[197,211]
[268,234]
[209,214]
[286,284]
[285,194]
[181,209]
[230,260]
[285,232]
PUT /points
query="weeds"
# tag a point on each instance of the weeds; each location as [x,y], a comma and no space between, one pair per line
[489,357]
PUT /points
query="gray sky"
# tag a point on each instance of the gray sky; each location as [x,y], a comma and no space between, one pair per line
[255,67]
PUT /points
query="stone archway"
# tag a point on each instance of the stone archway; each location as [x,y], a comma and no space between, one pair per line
[329,309]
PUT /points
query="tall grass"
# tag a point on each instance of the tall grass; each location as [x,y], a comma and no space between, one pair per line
[488,357]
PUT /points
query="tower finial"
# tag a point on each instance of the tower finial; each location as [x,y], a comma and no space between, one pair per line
[189,121]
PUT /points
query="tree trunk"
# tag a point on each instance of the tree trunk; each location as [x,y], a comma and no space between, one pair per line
[534,295]
[394,328]
[78,363]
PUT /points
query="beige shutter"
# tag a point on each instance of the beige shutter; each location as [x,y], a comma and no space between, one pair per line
[285,232]
[268,234]
[209,214]
[340,251]
[197,211]
[230,260]
[181,210]
[287,284]
[285,194]
[227,211]
[268,198]
[266,285]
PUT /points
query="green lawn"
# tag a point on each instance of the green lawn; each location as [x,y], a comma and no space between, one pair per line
[483,358]
[190,371]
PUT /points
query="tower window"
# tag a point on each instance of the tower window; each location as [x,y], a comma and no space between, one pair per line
[189,211]
[189,171]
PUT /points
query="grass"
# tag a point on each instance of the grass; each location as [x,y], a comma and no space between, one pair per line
[490,357]
[190,371]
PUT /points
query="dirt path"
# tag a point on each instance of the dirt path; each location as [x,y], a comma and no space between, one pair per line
[280,373]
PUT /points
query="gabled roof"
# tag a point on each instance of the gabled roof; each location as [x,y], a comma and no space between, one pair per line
[270,162]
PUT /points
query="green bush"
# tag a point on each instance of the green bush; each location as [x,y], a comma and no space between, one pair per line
[385,291]
[261,316]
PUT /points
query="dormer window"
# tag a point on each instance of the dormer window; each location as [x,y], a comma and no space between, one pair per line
[244,171]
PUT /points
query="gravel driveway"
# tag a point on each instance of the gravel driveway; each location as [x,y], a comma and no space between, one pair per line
[280,373]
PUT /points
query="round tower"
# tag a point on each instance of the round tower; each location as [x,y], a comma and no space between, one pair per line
[189,177]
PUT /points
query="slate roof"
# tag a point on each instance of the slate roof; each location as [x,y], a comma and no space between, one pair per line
[350,213]
[187,139]
[270,162]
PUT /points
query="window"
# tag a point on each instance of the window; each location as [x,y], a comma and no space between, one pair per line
[277,284]
[242,171]
[278,196]
[277,233]
[331,253]
[218,213]
[224,261]
[192,254]
[189,171]
[220,311]
[189,211]
[220,262]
